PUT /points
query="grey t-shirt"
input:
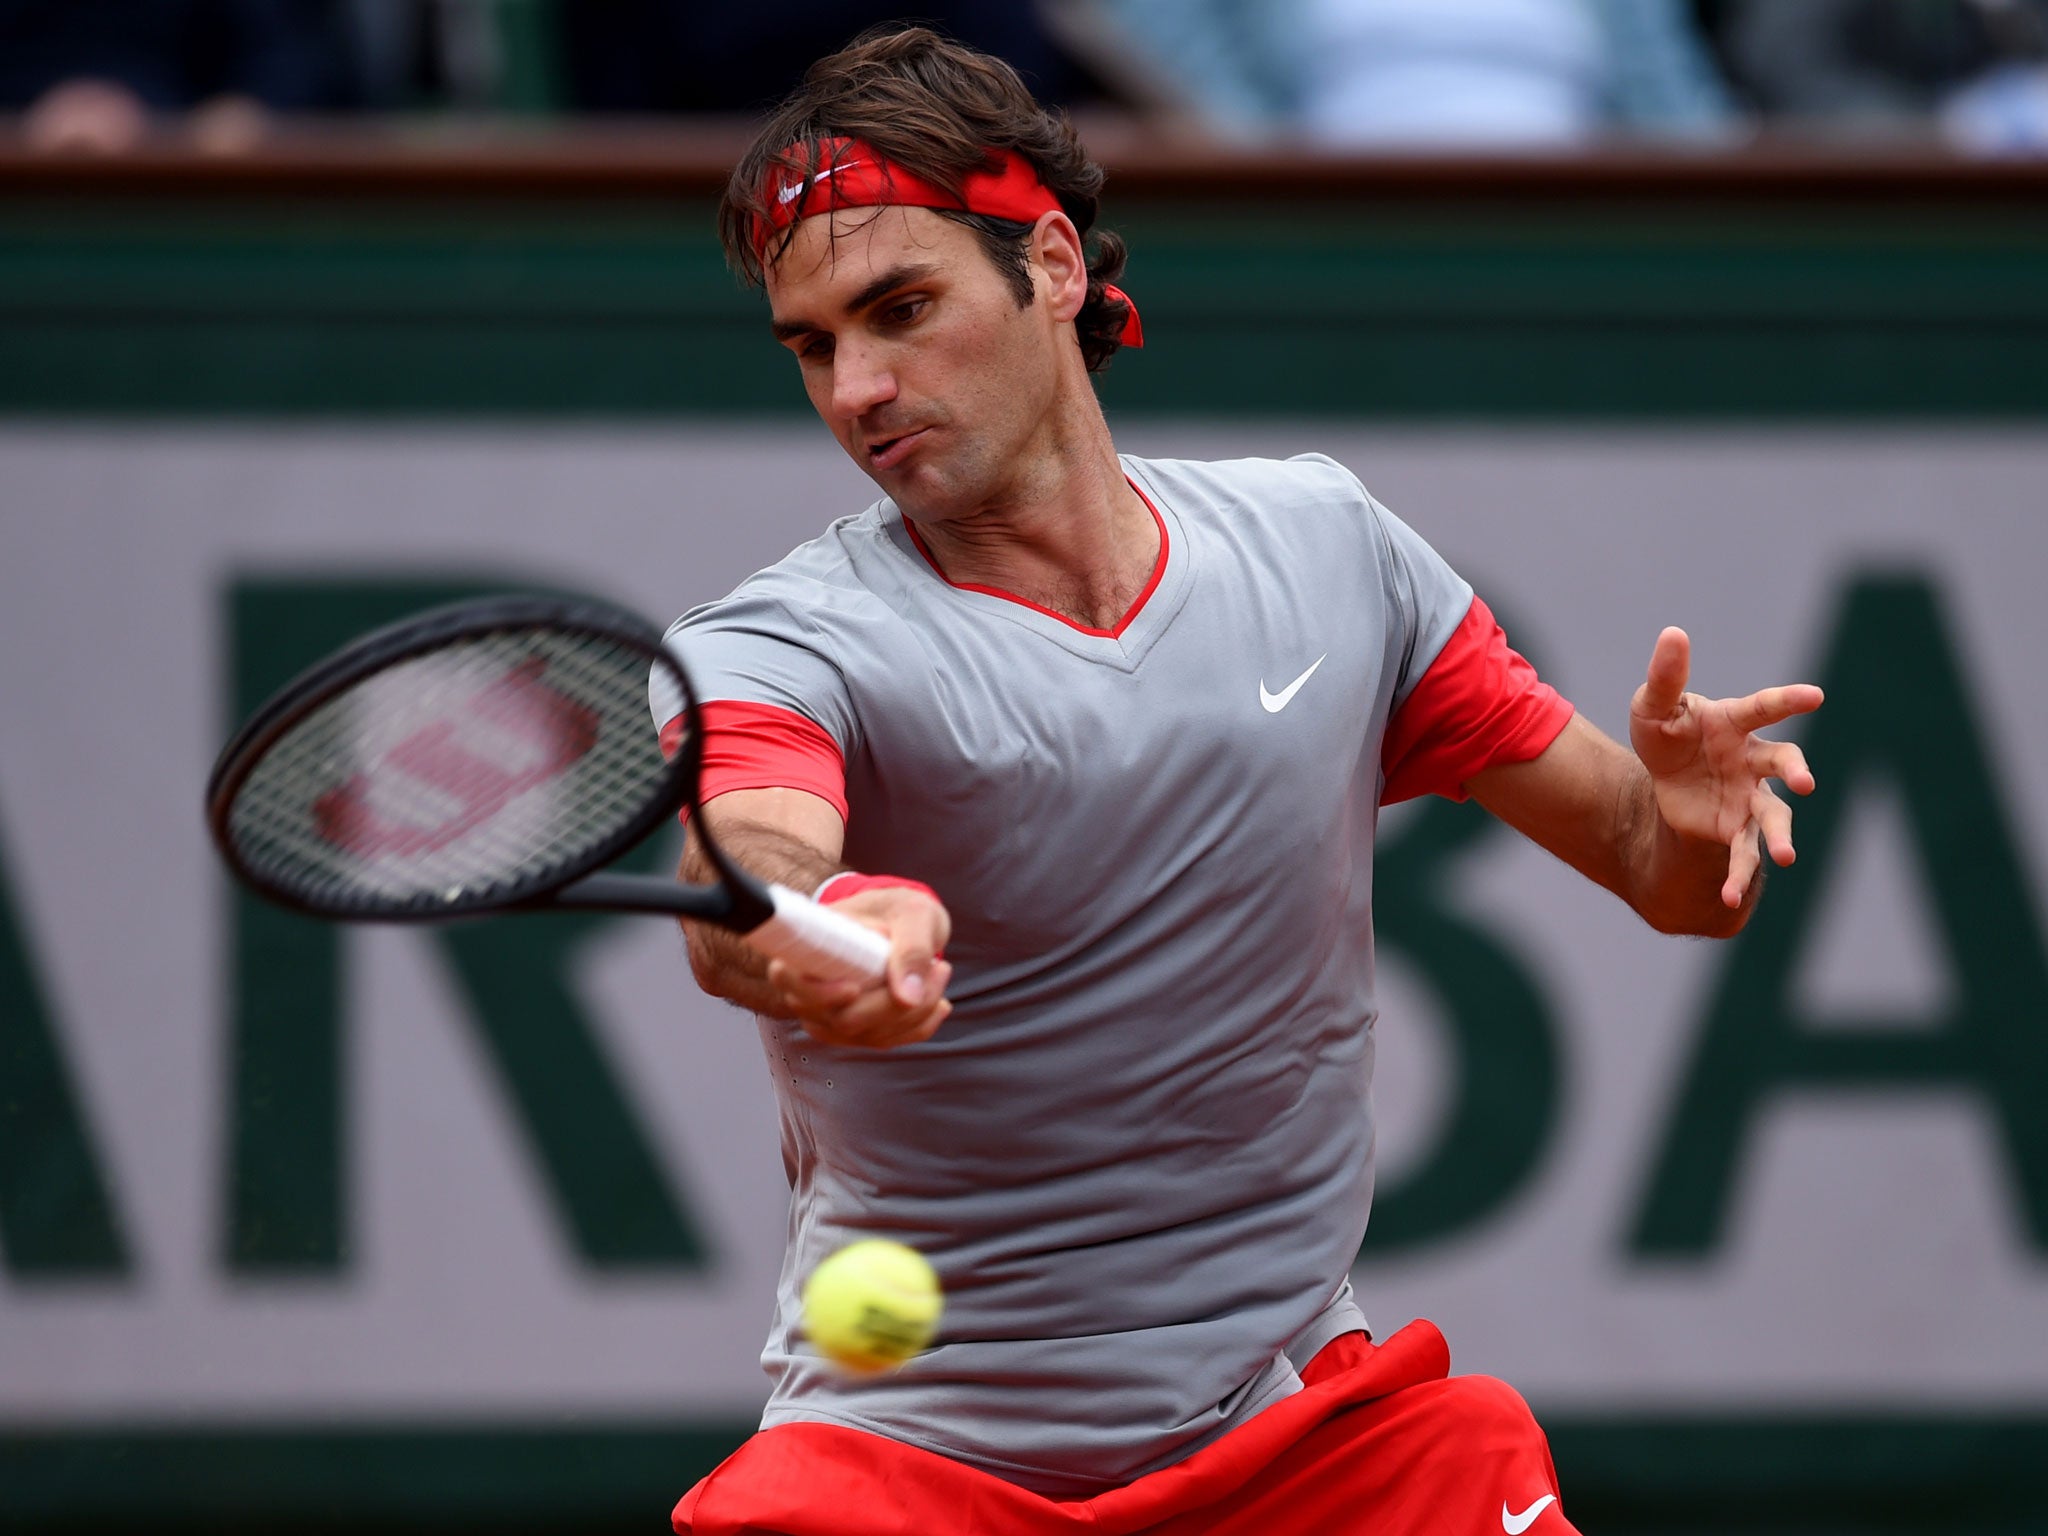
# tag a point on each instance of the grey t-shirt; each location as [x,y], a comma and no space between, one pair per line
[1139,1154]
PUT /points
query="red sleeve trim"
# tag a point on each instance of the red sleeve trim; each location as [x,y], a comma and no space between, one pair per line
[1479,704]
[763,746]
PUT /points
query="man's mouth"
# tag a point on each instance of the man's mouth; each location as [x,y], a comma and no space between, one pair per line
[888,452]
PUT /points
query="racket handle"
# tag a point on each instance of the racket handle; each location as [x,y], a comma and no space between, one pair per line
[817,940]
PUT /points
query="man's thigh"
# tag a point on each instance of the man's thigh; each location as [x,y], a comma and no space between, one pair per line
[1461,1455]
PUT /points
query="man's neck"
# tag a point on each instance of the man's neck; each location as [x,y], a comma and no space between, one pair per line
[1075,538]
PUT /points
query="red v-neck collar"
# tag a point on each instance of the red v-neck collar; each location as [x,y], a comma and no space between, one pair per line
[1122,624]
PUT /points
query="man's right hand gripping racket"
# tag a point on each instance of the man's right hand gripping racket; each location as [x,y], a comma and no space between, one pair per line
[487,756]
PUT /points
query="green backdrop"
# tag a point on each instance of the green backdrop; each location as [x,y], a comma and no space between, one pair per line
[1391,296]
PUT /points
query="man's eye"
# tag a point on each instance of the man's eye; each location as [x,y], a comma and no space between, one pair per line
[817,349]
[904,311]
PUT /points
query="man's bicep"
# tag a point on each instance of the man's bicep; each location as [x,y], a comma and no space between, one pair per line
[1573,799]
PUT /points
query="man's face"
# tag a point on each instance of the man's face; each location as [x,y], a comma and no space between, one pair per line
[916,354]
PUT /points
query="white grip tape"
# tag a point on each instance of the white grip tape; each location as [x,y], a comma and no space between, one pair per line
[819,941]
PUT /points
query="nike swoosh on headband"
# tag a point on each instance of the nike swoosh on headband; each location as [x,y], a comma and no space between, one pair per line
[796,189]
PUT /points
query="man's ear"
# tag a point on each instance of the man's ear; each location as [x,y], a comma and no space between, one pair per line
[1059,257]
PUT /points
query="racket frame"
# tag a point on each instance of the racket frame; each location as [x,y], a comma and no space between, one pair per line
[739,902]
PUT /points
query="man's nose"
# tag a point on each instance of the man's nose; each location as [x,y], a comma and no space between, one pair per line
[861,380]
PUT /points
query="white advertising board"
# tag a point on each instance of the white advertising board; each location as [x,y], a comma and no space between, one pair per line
[1622,1171]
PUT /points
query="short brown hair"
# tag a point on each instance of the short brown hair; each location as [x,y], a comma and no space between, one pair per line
[940,110]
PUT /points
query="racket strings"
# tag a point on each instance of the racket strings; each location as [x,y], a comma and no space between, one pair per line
[494,761]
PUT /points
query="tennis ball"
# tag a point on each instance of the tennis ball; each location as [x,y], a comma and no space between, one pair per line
[872,1305]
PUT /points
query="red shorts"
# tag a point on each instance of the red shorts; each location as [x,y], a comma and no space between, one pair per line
[1381,1439]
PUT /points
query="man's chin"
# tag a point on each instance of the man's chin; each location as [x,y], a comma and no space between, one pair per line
[935,484]
[924,493]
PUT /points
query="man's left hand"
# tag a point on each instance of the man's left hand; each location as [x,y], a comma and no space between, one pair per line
[1710,770]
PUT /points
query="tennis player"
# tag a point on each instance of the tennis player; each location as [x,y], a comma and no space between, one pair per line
[1100,744]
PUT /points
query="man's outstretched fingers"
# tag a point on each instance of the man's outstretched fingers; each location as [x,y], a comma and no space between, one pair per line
[1783,761]
[1743,861]
[1764,709]
[1774,816]
[1670,668]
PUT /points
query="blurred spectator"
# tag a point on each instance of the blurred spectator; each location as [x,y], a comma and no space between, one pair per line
[1506,73]
[1227,65]
[452,53]
[731,56]
[91,76]
[1978,67]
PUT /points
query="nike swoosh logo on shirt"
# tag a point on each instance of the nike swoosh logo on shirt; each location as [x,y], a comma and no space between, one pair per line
[795,190]
[1275,702]
[1514,1525]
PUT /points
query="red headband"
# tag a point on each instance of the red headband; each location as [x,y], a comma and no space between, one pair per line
[853,175]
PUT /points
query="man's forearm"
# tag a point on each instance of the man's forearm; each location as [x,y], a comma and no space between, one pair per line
[724,964]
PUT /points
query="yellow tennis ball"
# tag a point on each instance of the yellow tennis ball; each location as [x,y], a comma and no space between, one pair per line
[872,1305]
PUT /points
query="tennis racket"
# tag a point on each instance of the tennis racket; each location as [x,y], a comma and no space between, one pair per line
[492,756]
